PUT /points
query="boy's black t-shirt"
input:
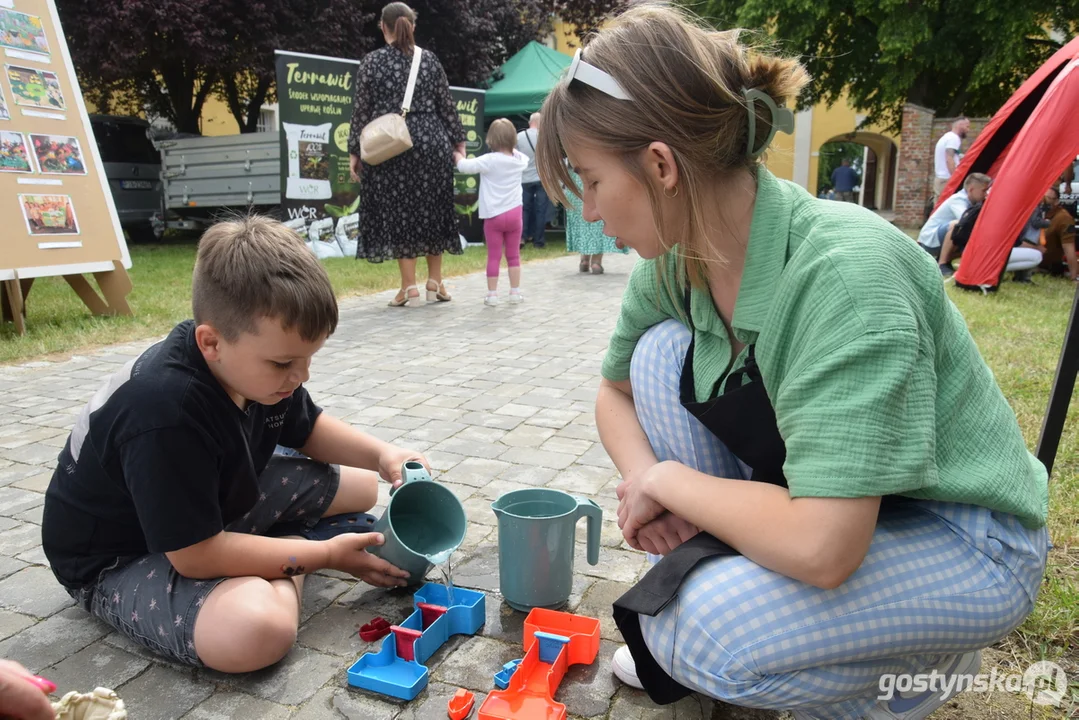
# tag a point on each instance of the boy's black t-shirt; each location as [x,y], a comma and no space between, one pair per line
[161,458]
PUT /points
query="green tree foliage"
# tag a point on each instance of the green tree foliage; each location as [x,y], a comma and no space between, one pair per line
[953,56]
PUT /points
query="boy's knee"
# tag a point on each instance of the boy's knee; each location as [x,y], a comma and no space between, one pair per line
[255,630]
[270,630]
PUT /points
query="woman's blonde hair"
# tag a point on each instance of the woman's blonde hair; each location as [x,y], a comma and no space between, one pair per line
[687,82]
[502,136]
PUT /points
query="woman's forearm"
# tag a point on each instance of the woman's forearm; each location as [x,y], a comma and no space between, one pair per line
[820,541]
[620,431]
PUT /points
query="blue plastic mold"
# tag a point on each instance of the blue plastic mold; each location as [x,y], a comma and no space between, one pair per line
[502,677]
[433,621]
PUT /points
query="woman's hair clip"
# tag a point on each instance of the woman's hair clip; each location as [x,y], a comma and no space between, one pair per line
[782,120]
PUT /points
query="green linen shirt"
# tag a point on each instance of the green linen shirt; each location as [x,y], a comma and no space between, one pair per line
[877,385]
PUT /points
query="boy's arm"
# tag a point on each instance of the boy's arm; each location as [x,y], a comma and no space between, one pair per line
[333,441]
[232,554]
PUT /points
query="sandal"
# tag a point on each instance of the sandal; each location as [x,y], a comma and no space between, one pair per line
[597,269]
[584,263]
[405,298]
[439,294]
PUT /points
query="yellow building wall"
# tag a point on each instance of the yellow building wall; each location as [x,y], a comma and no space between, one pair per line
[216,118]
[836,123]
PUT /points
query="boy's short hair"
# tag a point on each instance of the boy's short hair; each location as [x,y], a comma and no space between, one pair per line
[502,136]
[255,267]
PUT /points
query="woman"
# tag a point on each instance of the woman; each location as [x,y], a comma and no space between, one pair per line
[406,207]
[587,238]
[864,498]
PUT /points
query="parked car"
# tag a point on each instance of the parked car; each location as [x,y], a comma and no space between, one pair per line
[133,168]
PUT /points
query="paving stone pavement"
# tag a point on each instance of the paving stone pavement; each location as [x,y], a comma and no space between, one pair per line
[498,398]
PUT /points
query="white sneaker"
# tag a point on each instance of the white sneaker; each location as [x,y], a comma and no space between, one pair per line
[516,296]
[491,299]
[919,706]
[624,667]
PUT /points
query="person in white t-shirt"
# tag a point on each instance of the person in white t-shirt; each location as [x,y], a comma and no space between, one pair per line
[500,204]
[946,156]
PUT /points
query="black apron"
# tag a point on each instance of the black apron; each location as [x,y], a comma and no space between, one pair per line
[743,419]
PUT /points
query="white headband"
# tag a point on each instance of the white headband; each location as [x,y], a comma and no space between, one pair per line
[592,75]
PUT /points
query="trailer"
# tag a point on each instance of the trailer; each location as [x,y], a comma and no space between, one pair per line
[205,177]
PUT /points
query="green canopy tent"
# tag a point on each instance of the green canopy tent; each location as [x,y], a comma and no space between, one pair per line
[529,77]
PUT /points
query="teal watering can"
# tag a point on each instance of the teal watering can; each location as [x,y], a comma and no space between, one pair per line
[536,537]
[423,523]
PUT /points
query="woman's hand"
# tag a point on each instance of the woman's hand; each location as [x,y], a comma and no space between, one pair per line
[636,506]
[354,167]
[391,460]
[664,534]
[23,695]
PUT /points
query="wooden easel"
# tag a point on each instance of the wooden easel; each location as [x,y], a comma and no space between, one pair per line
[115,284]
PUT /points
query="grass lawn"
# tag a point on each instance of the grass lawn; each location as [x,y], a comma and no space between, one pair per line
[1019,330]
[57,322]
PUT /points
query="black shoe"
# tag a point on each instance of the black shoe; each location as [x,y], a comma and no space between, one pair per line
[539,246]
[946,270]
[1023,276]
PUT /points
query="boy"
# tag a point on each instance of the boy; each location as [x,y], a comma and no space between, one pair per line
[158,515]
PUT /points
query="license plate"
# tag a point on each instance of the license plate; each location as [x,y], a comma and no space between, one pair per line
[136,185]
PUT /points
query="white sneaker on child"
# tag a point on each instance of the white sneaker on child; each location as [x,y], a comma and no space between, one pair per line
[624,667]
[491,299]
[919,706]
[516,296]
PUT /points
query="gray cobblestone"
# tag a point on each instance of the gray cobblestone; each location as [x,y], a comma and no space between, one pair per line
[495,406]
[33,591]
[162,693]
[237,706]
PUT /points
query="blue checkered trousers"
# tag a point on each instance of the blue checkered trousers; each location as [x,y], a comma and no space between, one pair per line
[940,578]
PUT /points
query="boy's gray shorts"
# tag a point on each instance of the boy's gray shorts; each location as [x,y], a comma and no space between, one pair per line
[150,603]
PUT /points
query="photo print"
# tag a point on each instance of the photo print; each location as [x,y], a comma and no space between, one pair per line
[58,154]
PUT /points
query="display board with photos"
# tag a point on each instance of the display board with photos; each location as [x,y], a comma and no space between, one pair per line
[52,182]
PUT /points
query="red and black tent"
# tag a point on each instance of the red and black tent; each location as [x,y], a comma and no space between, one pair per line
[1024,148]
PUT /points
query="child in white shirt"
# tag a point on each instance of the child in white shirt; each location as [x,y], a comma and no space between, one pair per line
[500,204]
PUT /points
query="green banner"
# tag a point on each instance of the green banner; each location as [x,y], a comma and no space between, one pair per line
[318,197]
[466,188]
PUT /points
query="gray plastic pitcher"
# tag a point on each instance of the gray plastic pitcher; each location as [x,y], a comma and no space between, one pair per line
[536,537]
[424,522]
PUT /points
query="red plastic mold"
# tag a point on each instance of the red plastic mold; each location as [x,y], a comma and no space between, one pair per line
[429,613]
[460,705]
[406,642]
[571,639]
[374,630]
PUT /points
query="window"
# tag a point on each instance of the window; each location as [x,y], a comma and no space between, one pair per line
[124,142]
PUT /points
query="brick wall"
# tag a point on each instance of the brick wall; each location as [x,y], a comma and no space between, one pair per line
[914,180]
[912,189]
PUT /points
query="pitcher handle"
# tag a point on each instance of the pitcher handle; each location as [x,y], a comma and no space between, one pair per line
[589,509]
[411,471]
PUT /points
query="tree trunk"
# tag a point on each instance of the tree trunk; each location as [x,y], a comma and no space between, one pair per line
[247,112]
[255,103]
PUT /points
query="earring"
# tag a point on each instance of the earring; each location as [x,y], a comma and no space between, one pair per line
[674,195]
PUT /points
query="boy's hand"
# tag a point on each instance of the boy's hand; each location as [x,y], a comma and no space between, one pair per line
[391,460]
[347,555]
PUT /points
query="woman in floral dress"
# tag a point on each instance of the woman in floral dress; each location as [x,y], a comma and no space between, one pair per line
[406,203]
[587,238]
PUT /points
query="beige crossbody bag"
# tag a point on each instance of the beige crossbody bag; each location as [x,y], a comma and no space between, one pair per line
[387,136]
